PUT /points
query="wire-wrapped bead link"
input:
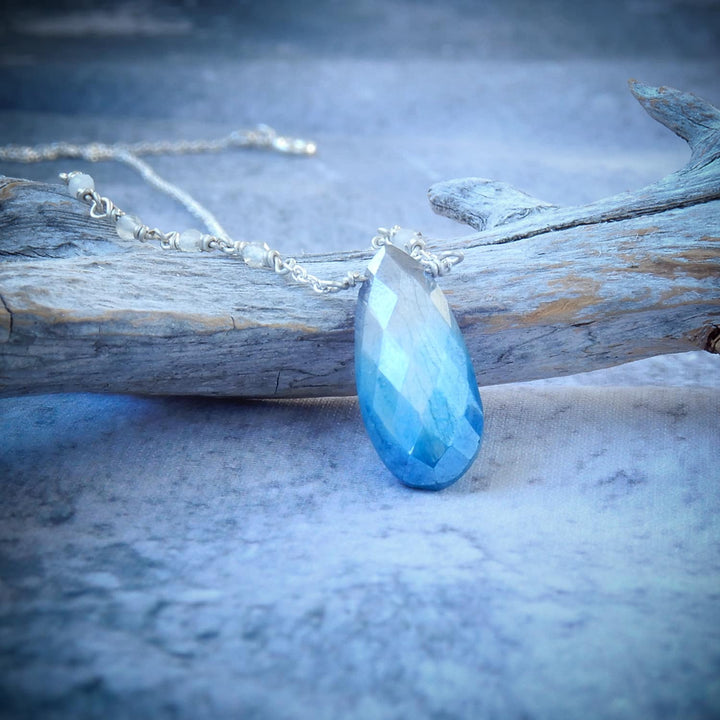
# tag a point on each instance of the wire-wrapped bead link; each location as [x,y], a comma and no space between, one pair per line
[414,243]
[255,255]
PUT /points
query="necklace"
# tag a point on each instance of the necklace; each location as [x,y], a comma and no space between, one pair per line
[416,386]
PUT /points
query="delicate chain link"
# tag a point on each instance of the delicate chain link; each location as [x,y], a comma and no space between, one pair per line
[257,255]
[165,186]
[263,136]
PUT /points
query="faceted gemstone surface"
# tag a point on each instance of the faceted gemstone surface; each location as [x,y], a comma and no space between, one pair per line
[415,381]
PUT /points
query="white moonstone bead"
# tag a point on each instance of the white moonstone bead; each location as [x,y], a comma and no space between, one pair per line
[190,241]
[254,255]
[79,184]
[126,226]
[404,237]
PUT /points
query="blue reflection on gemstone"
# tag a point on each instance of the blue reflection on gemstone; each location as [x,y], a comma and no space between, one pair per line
[415,381]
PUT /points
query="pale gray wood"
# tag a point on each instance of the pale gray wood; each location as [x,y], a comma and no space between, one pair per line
[485,204]
[543,291]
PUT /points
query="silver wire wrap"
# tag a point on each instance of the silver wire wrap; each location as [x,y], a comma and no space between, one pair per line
[255,255]
[413,241]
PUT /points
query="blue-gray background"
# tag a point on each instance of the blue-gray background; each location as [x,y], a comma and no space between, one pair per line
[197,558]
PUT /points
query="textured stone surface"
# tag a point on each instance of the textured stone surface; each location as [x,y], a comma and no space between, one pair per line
[176,558]
[415,381]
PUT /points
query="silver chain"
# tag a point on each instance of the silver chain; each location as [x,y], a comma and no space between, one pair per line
[256,255]
[263,136]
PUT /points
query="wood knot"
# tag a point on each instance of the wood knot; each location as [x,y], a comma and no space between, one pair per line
[712,342]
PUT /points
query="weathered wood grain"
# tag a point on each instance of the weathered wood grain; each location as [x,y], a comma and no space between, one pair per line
[542,291]
[487,204]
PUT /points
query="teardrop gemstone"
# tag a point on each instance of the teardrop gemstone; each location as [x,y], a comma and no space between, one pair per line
[416,385]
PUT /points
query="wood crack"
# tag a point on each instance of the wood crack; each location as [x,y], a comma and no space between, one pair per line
[152,322]
[712,344]
[581,222]
[6,320]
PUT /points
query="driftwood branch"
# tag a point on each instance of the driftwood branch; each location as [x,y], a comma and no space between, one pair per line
[543,290]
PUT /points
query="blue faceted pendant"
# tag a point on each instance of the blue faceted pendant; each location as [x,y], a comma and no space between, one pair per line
[415,381]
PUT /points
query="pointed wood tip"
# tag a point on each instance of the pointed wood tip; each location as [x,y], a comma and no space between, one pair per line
[687,115]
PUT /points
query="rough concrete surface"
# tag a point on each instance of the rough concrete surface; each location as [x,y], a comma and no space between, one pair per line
[184,558]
